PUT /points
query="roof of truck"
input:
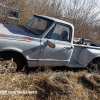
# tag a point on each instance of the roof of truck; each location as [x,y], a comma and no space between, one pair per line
[55,19]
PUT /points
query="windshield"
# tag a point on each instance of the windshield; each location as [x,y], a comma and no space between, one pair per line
[37,25]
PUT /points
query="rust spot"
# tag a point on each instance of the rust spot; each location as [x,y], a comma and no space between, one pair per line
[2,34]
[33,49]
[85,62]
[26,37]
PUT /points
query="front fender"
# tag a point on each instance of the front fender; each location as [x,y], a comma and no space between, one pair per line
[14,50]
[87,55]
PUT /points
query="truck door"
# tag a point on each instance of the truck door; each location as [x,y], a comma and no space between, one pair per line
[60,37]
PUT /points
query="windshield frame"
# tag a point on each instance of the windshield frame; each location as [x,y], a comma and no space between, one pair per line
[48,20]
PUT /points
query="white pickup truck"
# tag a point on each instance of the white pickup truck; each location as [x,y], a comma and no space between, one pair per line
[46,41]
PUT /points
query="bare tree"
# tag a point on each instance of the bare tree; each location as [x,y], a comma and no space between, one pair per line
[83,15]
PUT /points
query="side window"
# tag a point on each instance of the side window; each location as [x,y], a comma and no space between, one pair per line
[59,32]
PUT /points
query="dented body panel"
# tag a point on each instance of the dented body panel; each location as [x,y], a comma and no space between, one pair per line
[83,54]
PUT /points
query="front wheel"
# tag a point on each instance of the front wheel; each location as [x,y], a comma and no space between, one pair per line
[10,62]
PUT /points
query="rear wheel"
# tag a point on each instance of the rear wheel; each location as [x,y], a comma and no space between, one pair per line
[94,66]
[10,62]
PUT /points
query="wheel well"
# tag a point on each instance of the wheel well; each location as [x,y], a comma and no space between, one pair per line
[23,59]
[94,60]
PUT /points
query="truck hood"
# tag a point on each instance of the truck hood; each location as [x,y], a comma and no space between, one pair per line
[11,31]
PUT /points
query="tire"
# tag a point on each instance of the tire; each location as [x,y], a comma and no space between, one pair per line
[6,58]
[94,66]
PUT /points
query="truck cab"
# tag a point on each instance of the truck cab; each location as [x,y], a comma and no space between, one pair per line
[55,32]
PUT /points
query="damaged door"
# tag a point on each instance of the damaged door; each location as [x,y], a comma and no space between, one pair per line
[59,55]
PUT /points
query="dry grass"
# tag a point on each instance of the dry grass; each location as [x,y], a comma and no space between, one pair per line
[35,81]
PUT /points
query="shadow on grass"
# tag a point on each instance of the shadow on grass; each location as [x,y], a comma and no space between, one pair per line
[55,69]
[88,84]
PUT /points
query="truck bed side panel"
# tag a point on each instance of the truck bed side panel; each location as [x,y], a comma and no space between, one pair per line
[87,55]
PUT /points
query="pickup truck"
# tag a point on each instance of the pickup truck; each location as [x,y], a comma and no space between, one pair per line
[46,41]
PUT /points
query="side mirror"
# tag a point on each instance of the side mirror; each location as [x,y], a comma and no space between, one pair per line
[50,44]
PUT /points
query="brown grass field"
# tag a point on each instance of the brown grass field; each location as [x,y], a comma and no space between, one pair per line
[36,81]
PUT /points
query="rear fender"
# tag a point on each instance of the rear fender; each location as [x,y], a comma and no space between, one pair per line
[87,55]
